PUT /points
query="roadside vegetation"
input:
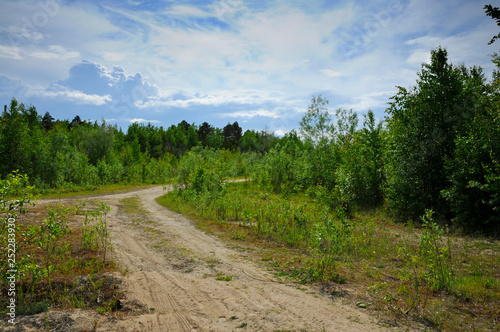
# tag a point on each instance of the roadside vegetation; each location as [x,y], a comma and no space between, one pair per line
[60,255]
[420,273]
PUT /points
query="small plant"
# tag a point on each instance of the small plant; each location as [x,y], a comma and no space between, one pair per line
[95,232]
[436,255]
[102,311]
[52,229]
[222,277]
[331,238]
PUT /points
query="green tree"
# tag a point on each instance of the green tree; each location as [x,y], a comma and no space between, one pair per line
[216,139]
[474,169]
[316,124]
[203,132]
[232,133]
[97,142]
[47,121]
[373,148]
[424,122]
[15,145]
[192,137]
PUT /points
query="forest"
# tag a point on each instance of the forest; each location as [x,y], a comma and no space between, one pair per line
[437,149]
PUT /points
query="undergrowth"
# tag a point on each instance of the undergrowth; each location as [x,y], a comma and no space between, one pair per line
[55,263]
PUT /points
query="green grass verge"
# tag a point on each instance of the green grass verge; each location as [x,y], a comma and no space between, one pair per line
[98,190]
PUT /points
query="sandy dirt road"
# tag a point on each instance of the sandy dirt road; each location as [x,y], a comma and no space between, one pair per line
[173,273]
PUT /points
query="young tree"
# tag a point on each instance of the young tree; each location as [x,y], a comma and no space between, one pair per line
[423,125]
[316,124]
[249,142]
[474,169]
[374,147]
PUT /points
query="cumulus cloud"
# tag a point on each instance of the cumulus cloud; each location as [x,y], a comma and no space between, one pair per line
[118,86]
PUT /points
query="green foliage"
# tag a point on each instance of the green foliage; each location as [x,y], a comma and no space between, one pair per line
[277,170]
[494,13]
[438,149]
[81,154]
[316,123]
[332,239]
[95,232]
[42,254]
[222,277]
[474,168]
[232,133]
[423,125]
[345,169]
[202,172]
[436,255]
[47,236]
[360,175]
[15,142]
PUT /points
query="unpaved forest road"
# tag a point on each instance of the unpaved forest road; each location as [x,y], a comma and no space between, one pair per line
[172,269]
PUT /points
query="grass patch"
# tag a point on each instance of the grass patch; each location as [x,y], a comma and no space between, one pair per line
[88,191]
[132,205]
[222,277]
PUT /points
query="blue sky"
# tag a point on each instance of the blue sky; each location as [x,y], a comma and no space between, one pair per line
[255,62]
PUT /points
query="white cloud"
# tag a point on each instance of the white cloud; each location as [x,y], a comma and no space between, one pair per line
[73,96]
[281,132]
[10,52]
[217,98]
[251,114]
[371,100]
[331,73]
[225,9]
[55,52]
[139,120]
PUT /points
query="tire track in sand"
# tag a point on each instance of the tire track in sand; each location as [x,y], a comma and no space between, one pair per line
[192,299]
